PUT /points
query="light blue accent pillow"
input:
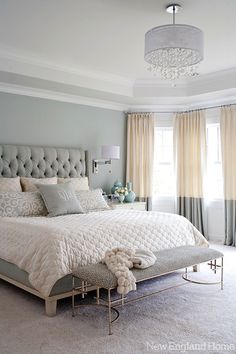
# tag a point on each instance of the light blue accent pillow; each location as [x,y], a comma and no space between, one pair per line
[60,199]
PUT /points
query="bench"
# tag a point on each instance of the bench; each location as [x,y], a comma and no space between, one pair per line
[169,260]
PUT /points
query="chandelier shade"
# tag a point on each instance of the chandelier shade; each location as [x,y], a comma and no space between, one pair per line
[174,50]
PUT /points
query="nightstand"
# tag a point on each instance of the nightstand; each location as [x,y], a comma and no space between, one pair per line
[129,206]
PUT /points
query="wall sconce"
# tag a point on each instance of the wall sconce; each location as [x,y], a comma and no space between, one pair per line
[109,153]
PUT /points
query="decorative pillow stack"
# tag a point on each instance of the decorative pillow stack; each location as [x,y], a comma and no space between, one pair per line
[92,200]
[45,197]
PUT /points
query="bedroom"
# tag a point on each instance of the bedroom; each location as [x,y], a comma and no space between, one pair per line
[69,75]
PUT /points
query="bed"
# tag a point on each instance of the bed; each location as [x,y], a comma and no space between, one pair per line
[38,254]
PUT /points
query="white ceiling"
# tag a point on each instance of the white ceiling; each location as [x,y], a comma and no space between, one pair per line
[104,39]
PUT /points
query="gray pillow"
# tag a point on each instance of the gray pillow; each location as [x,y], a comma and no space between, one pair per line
[60,199]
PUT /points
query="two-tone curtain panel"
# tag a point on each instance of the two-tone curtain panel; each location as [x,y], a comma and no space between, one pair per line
[190,159]
[228,148]
[140,153]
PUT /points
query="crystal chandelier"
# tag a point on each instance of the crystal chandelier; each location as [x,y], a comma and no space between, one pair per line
[174,50]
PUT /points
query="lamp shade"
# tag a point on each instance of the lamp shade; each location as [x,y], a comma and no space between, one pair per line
[111,152]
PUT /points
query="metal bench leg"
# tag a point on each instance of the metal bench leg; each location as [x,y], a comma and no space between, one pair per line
[73,296]
[109,310]
[215,266]
[186,272]
[222,274]
[83,289]
[98,296]
[122,300]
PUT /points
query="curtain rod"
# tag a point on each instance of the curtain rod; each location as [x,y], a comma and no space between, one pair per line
[190,110]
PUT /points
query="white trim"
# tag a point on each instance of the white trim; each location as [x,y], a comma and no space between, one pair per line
[178,104]
[171,105]
[27,58]
[61,97]
[188,94]
[81,77]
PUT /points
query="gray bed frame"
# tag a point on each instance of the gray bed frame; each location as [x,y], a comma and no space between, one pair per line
[41,162]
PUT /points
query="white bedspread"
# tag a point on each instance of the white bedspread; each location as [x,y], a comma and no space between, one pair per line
[50,248]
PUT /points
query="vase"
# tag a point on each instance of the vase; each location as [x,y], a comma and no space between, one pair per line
[116,185]
[130,197]
[121,198]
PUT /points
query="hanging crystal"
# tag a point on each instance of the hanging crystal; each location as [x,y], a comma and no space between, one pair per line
[174,50]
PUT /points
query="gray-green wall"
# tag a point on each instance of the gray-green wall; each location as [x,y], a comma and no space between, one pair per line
[36,121]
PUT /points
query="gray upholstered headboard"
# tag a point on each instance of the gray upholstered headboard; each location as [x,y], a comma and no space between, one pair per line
[39,162]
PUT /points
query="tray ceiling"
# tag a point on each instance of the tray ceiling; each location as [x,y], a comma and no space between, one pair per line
[103,40]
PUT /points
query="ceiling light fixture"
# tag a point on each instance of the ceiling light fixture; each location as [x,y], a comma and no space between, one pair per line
[174,50]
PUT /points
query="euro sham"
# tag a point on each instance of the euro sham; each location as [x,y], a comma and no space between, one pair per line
[10,184]
[29,184]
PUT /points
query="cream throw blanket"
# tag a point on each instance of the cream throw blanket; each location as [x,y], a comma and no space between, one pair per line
[120,260]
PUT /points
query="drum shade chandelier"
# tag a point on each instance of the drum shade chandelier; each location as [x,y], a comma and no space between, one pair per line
[174,50]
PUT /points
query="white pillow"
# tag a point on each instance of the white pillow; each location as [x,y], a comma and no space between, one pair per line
[28,183]
[92,200]
[79,183]
[10,184]
[22,204]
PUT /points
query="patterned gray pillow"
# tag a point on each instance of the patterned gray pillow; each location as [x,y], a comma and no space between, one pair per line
[60,199]
[92,200]
[22,204]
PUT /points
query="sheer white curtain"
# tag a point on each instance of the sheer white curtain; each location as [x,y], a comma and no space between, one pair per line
[140,152]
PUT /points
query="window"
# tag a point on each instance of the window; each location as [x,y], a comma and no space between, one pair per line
[214,178]
[164,178]
[163,181]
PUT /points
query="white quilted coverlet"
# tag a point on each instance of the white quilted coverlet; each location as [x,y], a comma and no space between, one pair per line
[50,248]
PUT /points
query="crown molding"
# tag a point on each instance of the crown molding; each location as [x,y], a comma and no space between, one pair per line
[162,105]
[180,104]
[61,97]
[202,84]
[111,91]
[28,65]
[24,63]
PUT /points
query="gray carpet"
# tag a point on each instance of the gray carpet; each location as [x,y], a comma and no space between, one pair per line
[187,319]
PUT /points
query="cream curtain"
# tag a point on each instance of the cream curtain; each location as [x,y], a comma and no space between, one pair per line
[190,161]
[228,148]
[140,152]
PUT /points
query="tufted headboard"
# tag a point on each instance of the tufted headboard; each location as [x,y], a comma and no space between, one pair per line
[39,162]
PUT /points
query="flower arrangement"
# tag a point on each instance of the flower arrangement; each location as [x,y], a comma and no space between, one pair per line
[121,191]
